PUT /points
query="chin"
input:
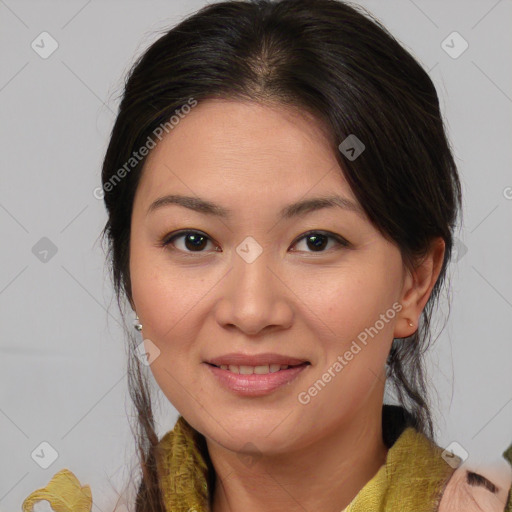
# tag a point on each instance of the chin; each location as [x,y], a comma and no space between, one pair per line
[253,445]
[252,437]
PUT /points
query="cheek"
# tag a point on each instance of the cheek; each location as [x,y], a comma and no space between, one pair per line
[171,328]
[163,292]
[353,319]
[165,310]
[343,303]
[172,304]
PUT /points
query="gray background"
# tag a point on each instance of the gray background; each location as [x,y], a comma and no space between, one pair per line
[62,365]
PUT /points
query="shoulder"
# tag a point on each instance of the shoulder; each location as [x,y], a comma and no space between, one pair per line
[478,490]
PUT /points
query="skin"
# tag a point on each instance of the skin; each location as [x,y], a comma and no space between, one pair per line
[255,159]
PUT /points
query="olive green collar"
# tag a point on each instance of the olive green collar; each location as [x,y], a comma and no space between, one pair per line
[413,477]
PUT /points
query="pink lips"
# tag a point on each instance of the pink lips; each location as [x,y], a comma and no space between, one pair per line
[256,384]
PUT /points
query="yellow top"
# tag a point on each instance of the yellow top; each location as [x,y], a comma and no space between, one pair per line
[412,458]
[412,464]
[412,479]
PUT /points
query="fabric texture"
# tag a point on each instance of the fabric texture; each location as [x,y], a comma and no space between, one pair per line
[183,470]
[414,478]
[63,492]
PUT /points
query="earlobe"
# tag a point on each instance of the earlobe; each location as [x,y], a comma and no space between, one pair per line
[417,288]
[404,328]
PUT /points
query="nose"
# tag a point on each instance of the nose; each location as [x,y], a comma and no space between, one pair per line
[254,296]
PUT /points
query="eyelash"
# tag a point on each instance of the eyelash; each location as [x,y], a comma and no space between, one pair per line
[167,240]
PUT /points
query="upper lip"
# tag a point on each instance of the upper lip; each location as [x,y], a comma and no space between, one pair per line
[255,360]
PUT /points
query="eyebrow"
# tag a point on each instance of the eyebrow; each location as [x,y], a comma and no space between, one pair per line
[298,208]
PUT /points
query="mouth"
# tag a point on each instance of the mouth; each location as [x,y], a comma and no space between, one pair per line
[256,381]
[258,370]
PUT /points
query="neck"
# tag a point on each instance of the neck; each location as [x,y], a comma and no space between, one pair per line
[326,475]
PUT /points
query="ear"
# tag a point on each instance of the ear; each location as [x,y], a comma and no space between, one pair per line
[417,288]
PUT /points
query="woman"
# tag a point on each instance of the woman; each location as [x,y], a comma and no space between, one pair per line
[282,199]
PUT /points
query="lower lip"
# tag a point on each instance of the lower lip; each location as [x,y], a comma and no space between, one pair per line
[255,384]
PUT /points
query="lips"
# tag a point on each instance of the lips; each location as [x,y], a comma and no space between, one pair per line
[255,384]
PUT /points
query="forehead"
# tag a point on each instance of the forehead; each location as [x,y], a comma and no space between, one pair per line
[231,147]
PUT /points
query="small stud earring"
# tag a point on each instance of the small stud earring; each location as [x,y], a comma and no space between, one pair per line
[411,324]
[136,324]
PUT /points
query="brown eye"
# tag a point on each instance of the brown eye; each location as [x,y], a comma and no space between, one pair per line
[193,241]
[316,241]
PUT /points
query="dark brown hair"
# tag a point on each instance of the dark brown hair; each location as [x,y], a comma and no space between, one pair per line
[337,62]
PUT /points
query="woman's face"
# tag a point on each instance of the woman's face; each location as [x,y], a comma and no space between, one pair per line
[251,283]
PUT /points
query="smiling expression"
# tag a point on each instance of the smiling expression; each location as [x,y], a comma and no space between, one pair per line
[242,175]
